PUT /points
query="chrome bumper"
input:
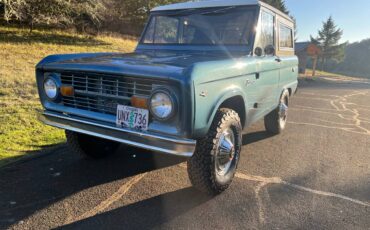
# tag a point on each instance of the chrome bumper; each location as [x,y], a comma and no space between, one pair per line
[153,142]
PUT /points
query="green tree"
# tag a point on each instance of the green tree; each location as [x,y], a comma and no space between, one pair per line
[356,61]
[328,40]
[35,11]
[278,4]
[129,16]
[53,12]
[86,13]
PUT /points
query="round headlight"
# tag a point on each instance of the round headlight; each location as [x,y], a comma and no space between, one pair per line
[162,105]
[51,88]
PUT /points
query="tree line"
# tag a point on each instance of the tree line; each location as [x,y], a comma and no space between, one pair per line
[122,16]
[83,15]
[355,61]
[129,17]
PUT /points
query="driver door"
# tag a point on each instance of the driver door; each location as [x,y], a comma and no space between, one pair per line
[267,65]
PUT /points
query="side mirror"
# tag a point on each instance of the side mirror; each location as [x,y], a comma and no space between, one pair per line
[258,51]
[270,50]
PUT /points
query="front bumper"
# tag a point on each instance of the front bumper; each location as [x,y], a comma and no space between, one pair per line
[153,142]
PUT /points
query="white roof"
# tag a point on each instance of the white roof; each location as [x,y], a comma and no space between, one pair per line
[206,3]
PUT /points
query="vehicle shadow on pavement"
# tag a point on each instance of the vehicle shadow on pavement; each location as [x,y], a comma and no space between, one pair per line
[256,137]
[37,183]
[146,214]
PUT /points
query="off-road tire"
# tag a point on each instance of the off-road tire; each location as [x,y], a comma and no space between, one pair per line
[89,146]
[201,166]
[273,123]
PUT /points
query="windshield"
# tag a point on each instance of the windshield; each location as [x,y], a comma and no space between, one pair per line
[221,26]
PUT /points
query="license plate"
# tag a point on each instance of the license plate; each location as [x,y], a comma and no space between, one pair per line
[131,117]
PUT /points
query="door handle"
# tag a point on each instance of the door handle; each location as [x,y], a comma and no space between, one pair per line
[278,59]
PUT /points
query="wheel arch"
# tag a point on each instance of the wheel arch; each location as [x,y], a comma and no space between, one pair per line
[288,91]
[234,100]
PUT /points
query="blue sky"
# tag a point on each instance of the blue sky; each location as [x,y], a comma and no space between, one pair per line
[353,16]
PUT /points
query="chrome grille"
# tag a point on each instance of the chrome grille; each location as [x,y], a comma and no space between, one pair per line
[101,93]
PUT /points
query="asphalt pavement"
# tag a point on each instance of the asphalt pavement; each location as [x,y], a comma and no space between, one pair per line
[316,175]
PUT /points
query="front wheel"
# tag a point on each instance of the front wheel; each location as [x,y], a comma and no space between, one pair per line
[212,167]
[275,121]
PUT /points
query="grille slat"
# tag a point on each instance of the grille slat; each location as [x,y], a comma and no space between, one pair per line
[89,108]
[83,80]
[118,87]
[102,93]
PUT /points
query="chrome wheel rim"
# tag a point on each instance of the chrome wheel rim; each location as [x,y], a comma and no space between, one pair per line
[283,111]
[225,152]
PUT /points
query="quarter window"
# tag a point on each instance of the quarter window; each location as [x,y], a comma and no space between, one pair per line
[285,37]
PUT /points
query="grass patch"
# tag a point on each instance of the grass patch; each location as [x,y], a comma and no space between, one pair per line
[328,74]
[322,73]
[20,131]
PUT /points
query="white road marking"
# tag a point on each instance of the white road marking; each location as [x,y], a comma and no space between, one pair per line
[264,181]
[278,180]
[261,211]
[109,201]
[340,104]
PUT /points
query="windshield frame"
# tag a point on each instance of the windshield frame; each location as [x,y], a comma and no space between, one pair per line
[185,12]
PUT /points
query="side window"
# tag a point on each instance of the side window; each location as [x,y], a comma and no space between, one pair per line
[285,36]
[266,30]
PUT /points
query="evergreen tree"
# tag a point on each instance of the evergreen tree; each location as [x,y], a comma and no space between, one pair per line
[278,4]
[328,40]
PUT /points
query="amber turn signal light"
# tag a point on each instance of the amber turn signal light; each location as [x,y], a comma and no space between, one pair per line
[67,91]
[139,102]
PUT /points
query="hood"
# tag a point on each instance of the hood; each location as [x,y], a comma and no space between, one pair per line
[146,63]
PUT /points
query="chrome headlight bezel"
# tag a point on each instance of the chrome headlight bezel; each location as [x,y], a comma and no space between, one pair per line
[172,98]
[55,80]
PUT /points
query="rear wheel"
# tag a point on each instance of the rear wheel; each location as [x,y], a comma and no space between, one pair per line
[212,167]
[275,121]
[89,146]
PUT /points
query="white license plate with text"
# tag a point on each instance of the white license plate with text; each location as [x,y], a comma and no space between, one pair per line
[131,117]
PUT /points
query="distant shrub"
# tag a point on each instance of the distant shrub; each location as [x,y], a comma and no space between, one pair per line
[78,13]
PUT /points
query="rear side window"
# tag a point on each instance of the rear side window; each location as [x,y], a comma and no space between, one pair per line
[285,36]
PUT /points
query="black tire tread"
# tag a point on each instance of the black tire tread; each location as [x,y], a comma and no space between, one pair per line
[94,150]
[272,120]
[74,144]
[200,165]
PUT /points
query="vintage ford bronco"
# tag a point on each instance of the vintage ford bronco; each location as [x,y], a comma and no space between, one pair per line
[201,74]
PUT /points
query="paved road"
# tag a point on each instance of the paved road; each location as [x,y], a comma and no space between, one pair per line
[314,176]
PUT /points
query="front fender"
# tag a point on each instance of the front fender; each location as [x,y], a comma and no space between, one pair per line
[207,106]
[227,95]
